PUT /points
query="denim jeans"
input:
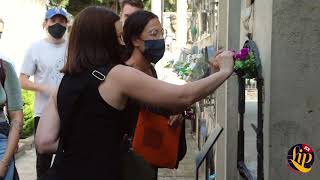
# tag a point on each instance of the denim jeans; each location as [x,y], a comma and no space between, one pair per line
[3,147]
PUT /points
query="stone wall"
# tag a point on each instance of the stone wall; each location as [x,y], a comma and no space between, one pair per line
[287,33]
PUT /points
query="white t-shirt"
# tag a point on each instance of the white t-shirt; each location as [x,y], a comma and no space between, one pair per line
[44,61]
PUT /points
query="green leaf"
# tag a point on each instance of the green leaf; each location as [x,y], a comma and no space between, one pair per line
[239,65]
[28,113]
[186,65]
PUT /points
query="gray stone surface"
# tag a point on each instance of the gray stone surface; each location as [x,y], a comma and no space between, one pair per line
[186,170]
[288,35]
[228,38]
[262,31]
[26,165]
[221,93]
[295,87]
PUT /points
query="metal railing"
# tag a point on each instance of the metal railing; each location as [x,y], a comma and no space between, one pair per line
[204,154]
[243,170]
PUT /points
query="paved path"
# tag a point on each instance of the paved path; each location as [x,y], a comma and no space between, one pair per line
[26,165]
[251,137]
[26,162]
[187,165]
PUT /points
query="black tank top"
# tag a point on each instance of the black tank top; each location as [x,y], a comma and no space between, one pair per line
[91,129]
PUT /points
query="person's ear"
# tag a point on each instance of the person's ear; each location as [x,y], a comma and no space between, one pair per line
[137,42]
[44,24]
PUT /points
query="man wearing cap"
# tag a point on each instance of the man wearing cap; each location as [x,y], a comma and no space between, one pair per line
[44,60]
[130,6]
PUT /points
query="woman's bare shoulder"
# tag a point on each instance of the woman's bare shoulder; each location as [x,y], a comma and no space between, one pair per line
[120,71]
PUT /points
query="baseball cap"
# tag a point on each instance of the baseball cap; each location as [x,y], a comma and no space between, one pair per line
[56,11]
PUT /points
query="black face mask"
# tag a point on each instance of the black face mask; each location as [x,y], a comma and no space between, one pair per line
[0,34]
[154,50]
[57,30]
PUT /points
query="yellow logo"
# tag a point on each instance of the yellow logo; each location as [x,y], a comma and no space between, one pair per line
[300,158]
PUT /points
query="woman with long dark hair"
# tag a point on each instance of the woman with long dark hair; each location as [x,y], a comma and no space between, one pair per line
[94,91]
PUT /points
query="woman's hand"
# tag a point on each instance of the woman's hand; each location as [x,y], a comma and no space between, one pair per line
[223,60]
[175,120]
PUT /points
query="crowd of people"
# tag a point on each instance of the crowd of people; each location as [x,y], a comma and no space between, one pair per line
[89,90]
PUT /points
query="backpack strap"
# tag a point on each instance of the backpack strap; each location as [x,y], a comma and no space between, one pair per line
[96,76]
[99,74]
[2,79]
[2,72]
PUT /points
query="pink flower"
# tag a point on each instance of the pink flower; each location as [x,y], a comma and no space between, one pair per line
[237,56]
[243,57]
[242,54]
[245,51]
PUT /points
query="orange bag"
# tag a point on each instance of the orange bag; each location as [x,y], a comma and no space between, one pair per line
[156,141]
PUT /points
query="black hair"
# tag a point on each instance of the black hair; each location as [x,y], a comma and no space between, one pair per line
[133,28]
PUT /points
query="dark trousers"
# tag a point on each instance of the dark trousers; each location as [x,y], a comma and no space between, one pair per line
[155,173]
[43,160]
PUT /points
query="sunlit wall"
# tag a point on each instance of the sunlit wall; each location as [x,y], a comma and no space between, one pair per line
[23,25]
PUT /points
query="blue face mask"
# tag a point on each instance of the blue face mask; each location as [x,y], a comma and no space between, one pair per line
[154,50]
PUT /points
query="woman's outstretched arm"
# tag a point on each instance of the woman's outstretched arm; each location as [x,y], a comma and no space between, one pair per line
[129,82]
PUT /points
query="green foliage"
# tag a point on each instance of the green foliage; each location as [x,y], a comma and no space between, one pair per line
[59,3]
[183,69]
[170,5]
[28,111]
[191,67]
[246,67]
[75,6]
[147,4]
